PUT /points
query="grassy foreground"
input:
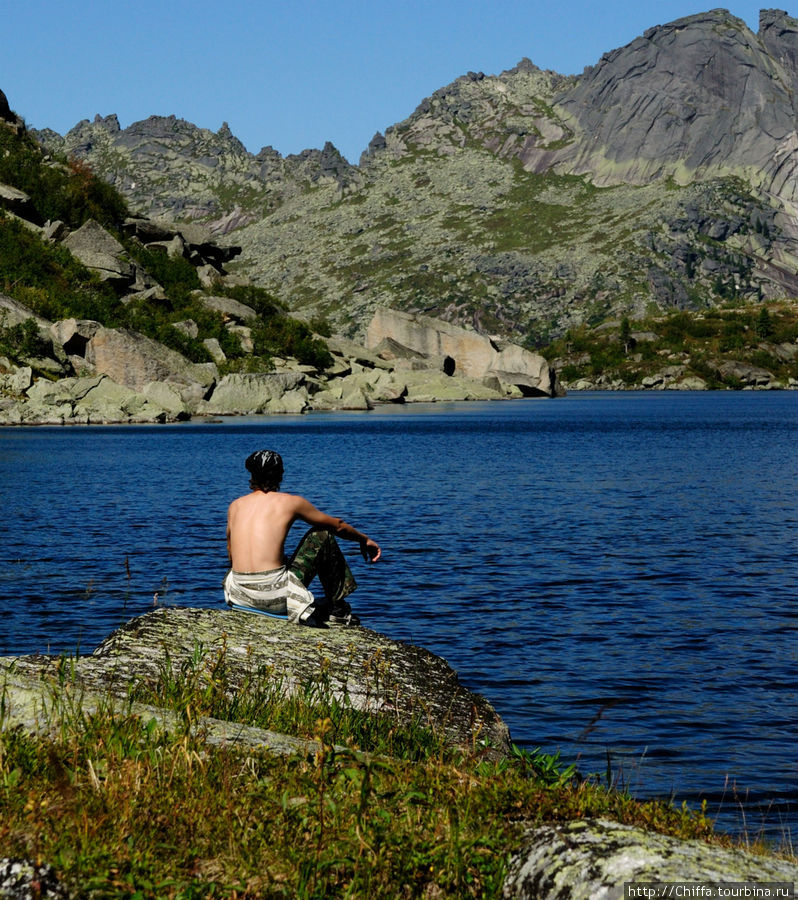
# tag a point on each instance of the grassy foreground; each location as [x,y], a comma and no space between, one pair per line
[120,808]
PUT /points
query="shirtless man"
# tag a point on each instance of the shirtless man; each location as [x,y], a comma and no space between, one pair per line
[261,577]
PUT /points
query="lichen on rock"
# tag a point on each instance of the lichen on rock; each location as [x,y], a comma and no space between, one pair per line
[590,859]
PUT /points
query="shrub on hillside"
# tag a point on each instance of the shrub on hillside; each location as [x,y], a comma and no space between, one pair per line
[175,274]
[284,336]
[49,280]
[276,334]
[67,191]
[22,341]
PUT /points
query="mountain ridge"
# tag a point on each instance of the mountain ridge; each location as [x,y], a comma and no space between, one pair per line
[522,203]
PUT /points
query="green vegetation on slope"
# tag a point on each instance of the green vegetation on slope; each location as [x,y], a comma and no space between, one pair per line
[59,189]
[474,238]
[698,343]
[47,279]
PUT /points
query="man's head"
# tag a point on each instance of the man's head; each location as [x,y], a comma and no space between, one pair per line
[265,468]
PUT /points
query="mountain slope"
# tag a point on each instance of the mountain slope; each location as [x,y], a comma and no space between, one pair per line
[522,203]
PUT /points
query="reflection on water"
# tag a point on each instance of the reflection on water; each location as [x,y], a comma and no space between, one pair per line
[617,573]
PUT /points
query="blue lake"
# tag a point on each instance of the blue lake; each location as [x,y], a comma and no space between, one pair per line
[617,573]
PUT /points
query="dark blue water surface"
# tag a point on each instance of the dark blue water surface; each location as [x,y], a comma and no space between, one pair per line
[617,573]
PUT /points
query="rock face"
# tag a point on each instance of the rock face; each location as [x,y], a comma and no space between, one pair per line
[463,351]
[252,394]
[585,860]
[101,253]
[700,95]
[133,360]
[373,672]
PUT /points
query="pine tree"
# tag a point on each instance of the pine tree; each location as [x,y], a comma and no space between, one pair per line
[764,324]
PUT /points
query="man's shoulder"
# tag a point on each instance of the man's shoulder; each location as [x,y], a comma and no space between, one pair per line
[290,499]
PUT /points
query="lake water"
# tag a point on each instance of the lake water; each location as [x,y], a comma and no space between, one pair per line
[617,573]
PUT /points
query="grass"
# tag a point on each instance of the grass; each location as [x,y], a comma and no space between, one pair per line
[120,807]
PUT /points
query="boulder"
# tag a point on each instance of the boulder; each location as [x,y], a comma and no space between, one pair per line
[175,248]
[290,403]
[213,347]
[148,231]
[74,334]
[88,400]
[748,375]
[134,360]
[209,276]
[229,308]
[367,669]
[188,327]
[244,335]
[17,381]
[391,350]
[585,859]
[355,398]
[457,351]
[102,253]
[247,394]
[12,312]
[167,397]
[472,353]
[430,386]
[688,383]
[18,203]
[529,372]
[356,353]
[785,352]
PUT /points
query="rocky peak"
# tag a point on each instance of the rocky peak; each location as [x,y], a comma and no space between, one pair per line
[5,110]
[317,163]
[700,96]
[779,34]
[109,123]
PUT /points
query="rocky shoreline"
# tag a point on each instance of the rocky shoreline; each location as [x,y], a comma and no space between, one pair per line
[88,373]
[124,377]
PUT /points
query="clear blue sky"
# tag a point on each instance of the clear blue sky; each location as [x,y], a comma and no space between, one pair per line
[295,73]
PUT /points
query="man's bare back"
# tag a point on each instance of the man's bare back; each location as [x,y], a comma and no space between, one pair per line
[262,578]
[258,524]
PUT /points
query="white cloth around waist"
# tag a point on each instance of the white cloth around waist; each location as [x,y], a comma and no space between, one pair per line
[277,591]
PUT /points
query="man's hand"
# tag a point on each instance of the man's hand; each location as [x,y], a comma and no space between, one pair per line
[370,550]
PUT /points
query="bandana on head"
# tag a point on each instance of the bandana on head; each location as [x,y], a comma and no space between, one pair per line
[265,466]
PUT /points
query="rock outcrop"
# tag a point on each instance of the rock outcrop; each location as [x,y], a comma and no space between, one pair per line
[702,95]
[361,667]
[588,859]
[171,169]
[461,351]
[269,392]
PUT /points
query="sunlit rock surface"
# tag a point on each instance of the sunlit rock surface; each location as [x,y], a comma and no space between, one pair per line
[592,860]
[375,673]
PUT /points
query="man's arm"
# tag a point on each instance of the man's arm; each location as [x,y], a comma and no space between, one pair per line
[306,511]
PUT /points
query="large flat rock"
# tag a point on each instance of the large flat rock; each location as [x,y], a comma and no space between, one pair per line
[375,673]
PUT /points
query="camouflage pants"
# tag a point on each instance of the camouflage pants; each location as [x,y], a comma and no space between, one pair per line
[318,553]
